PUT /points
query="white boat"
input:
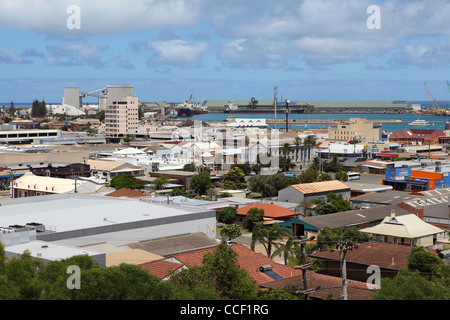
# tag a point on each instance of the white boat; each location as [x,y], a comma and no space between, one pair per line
[419,123]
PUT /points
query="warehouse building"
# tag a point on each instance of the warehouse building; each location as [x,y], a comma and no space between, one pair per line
[82,220]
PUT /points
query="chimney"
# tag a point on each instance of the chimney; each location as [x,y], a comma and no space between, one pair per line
[392,213]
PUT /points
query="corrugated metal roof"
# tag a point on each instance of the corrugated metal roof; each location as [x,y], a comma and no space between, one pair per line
[318,187]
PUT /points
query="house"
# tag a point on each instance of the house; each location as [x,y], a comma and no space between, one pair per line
[124,192]
[307,192]
[246,258]
[354,218]
[271,211]
[390,258]
[266,272]
[406,229]
[326,287]
[30,185]
[110,169]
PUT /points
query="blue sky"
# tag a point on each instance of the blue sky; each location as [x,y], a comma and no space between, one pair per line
[170,49]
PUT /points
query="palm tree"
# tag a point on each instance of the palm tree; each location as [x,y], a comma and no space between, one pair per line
[309,142]
[286,148]
[267,236]
[287,249]
[297,143]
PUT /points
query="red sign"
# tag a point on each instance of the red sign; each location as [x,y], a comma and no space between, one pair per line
[386,155]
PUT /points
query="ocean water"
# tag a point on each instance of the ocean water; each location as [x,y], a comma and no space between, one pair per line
[436,122]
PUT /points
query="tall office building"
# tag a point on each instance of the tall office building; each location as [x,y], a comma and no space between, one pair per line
[121,116]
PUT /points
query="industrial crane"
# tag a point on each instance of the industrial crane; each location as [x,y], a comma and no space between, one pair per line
[434,105]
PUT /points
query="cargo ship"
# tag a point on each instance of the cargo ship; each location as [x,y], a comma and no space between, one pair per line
[263,109]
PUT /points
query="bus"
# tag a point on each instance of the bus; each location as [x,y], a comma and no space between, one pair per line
[353,175]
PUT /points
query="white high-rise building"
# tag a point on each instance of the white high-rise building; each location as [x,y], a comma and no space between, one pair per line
[121,116]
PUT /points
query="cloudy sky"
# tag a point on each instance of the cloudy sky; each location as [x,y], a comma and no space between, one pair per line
[169,49]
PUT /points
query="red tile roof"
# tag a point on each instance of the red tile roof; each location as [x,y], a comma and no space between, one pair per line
[161,268]
[247,259]
[125,193]
[384,255]
[270,210]
[328,285]
[426,134]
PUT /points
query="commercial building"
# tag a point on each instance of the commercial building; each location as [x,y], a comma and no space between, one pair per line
[358,129]
[30,185]
[84,220]
[47,252]
[420,177]
[307,192]
[121,116]
[419,137]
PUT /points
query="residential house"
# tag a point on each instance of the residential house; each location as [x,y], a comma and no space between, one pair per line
[390,258]
[265,272]
[406,229]
[110,169]
[272,212]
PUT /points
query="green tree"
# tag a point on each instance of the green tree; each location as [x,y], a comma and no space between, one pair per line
[333,165]
[227,215]
[234,179]
[201,182]
[309,142]
[23,274]
[309,175]
[254,215]
[428,264]
[160,182]
[297,143]
[329,238]
[268,236]
[189,167]
[230,231]
[332,204]
[341,176]
[127,181]
[324,177]
[177,192]
[410,285]
[245,167]
[221,268]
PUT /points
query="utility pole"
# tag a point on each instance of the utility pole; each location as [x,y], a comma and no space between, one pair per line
[343,247]
[304,266]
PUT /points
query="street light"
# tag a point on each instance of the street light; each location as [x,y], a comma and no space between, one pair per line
[287,114]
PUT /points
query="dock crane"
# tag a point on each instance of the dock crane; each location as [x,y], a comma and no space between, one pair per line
[434,105]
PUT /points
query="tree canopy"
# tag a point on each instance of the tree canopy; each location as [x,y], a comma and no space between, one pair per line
[201,182]
[127,181]
[234,179]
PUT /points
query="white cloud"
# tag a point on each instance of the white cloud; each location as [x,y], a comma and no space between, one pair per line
[177,53]
[247,54]
[75,54]
[10,57]
[98,17]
